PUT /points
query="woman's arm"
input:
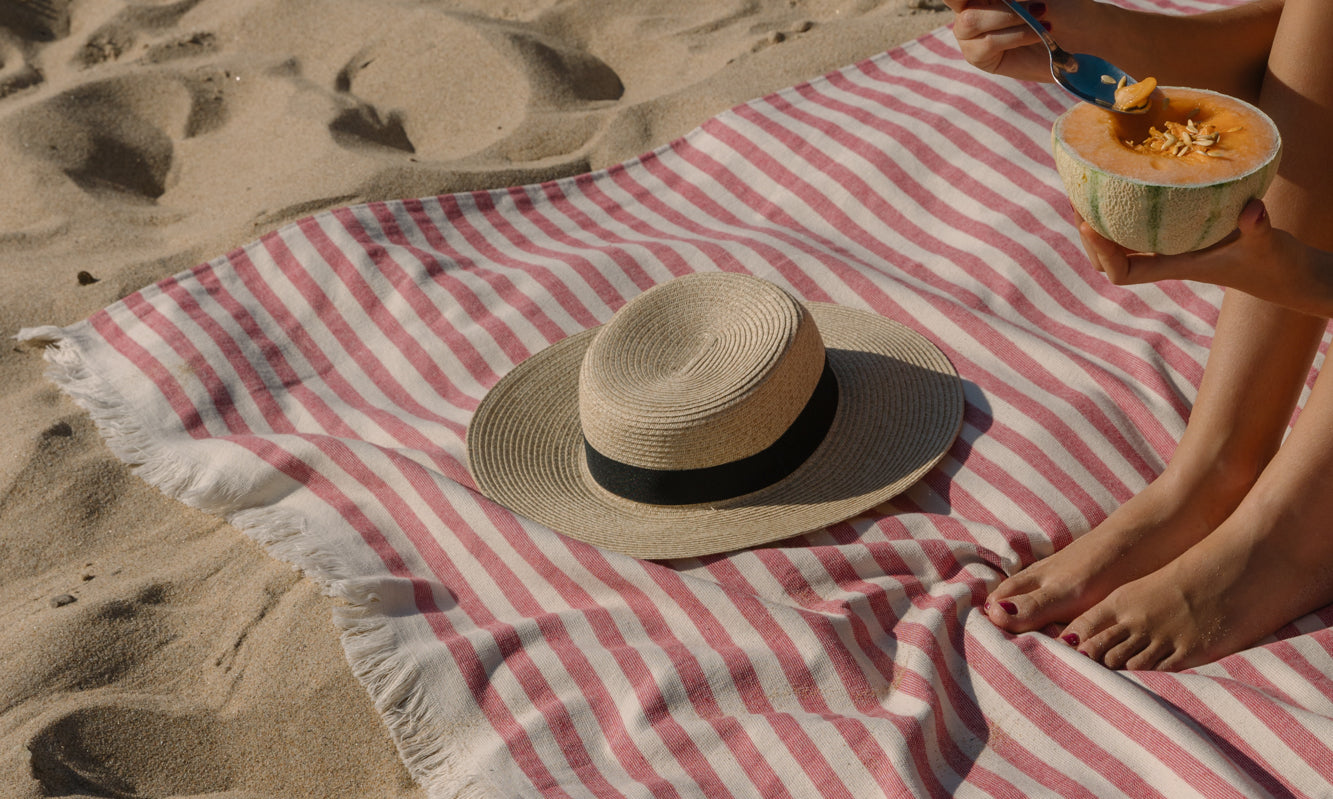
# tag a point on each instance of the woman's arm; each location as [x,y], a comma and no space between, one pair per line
[1257,259]
[1223,50]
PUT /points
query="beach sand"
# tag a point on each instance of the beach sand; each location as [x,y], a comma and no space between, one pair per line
[147,649]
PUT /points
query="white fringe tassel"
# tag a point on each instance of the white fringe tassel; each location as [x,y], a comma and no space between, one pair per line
[378,659]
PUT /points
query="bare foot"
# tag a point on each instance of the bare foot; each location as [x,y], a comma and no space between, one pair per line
[1268,563]
[1231,589]
[1144,534]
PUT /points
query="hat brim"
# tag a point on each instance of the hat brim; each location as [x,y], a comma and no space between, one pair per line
[900,407]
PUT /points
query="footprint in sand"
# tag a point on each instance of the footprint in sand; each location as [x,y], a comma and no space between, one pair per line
[574,94]
[86,643]
[112,135]
[441,114]
[563,76]
[119,135]
[129,27]
[16,73]
[36,20]
[360,124]
[67,464]
[438,114]
[127,751]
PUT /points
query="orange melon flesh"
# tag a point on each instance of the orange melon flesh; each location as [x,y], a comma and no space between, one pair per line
[1157,201]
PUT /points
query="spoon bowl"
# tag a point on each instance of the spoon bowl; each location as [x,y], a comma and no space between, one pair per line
[1087,77]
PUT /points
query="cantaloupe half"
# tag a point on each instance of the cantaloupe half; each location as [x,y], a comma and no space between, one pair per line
[1166,199]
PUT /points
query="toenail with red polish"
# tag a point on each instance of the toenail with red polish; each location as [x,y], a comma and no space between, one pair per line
[1070,638]
[1009,607]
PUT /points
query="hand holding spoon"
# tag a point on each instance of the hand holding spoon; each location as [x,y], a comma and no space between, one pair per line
[1089,78]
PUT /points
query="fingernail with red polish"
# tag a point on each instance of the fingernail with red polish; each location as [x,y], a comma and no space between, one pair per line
[1009,607]
[1036,9]
[1045,25]
[1070,638]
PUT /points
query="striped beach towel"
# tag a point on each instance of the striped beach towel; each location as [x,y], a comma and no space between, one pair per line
[314,387]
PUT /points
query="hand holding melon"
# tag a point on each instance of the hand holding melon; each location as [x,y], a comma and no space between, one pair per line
[1172,180]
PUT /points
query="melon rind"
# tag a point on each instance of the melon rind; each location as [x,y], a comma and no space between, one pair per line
[1160,218]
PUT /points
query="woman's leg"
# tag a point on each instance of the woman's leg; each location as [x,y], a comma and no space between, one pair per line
[1260,358]
[1270,560]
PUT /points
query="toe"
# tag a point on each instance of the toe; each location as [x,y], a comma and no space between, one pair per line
[1097,646]
[1021,612]
[1097,635]
[1118,656]
[1150,657]
[1011,612]
[1082,630]
[1174,660]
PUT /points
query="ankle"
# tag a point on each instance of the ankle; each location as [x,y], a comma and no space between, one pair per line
[1217,484]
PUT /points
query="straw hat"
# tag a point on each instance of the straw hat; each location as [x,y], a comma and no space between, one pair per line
[715,412]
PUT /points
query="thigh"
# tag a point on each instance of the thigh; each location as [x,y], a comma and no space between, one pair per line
[1298,94]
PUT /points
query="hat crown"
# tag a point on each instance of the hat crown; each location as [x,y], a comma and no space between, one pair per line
[703,370]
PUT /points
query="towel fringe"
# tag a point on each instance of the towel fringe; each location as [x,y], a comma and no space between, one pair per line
[377,657]
[395,685]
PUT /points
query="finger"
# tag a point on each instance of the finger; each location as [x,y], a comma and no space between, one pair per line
[1036,8]
[1254,218]
[1212,264]
[959,5]
[999,27]
[1106,256]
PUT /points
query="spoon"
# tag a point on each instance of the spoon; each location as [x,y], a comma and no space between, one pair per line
[1087,77]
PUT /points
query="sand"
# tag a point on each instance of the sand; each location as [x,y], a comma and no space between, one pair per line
[147,649]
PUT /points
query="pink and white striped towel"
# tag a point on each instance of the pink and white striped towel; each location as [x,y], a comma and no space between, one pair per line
[314,387]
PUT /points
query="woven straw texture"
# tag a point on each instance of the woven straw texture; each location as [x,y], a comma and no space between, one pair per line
[900,408]
[704,370]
